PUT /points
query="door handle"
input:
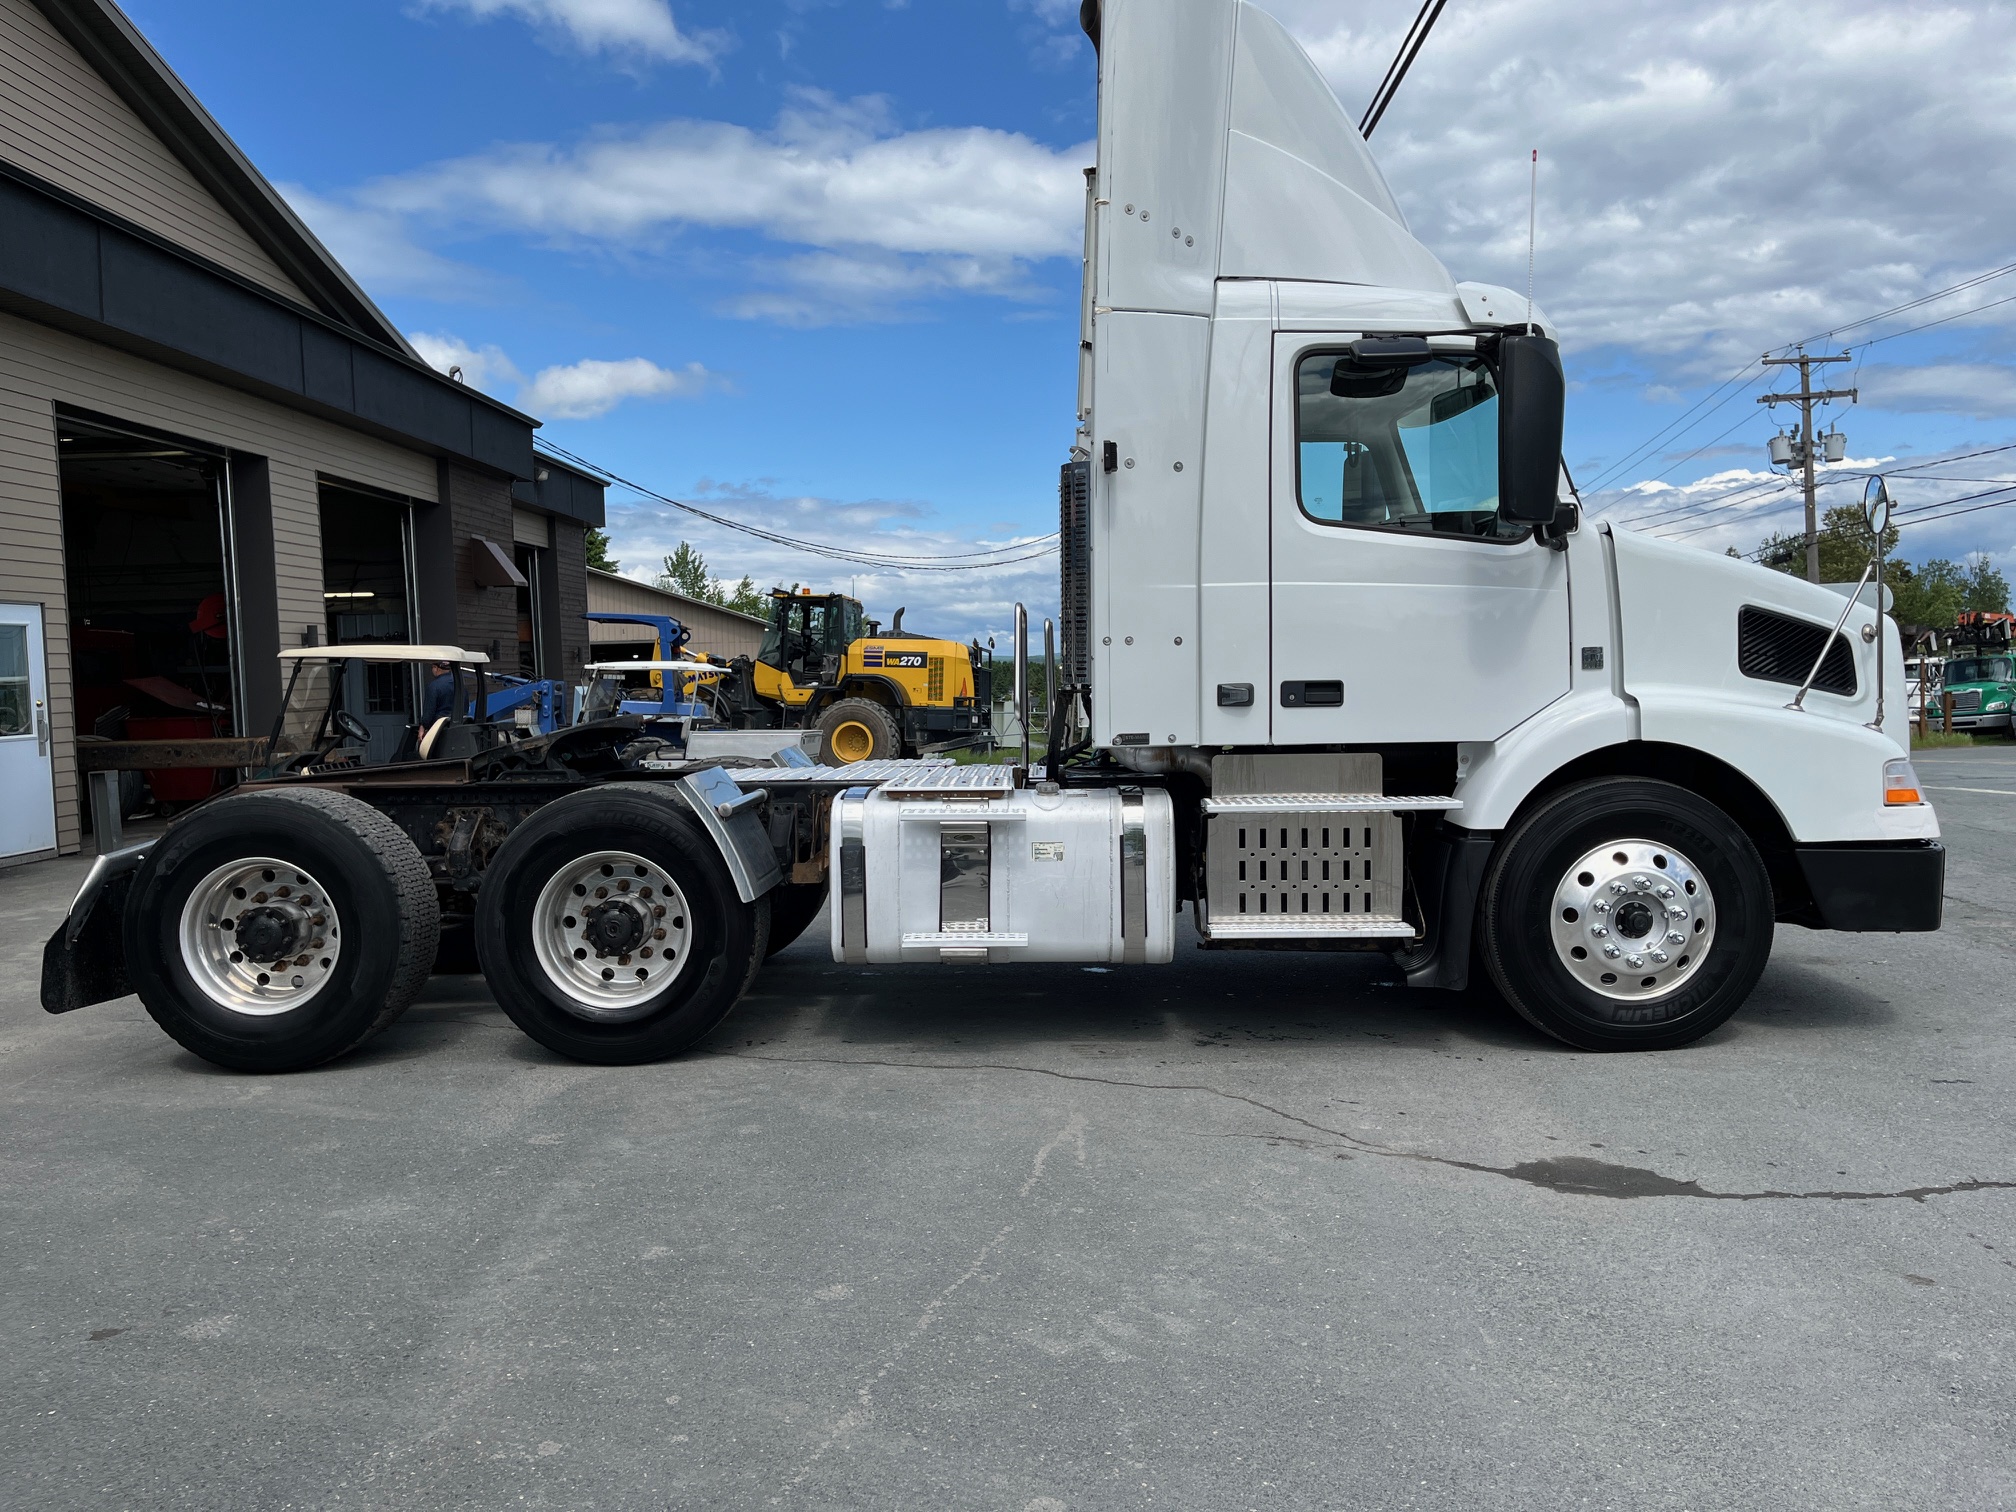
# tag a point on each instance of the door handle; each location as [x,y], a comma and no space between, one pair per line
[41,731]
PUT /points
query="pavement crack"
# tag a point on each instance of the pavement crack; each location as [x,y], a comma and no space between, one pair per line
[1574,1175]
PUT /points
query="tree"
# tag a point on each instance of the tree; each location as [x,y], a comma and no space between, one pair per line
[1929,596]
[598,551]
[1844,546]
[1987,589]
[686,572]
[747,599]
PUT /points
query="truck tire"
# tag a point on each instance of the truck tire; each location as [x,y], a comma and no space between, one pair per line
[610,929]
[1626,914]
[792,910]
[273,931]
[858,729]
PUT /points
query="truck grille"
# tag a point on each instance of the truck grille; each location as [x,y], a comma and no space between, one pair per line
[1777,648]
[1074,554]
[1967,701]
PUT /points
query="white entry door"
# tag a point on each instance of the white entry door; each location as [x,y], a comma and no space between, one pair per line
[27,764]
[1403,609]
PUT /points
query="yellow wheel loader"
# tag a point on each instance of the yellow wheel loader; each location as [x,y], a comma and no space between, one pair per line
[872,694]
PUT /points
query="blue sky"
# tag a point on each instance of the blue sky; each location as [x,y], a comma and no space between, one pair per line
[813,262]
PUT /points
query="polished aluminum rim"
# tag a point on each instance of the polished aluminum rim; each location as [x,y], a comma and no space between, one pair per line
[1633,920]
[610,931]
[260,936]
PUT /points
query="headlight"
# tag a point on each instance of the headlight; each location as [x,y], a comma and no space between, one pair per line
[1900,784]
[1994,704]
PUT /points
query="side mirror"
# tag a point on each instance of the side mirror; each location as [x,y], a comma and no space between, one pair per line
[1532,395]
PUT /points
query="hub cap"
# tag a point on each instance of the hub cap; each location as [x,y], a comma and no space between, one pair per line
[259,936]
[853,741]
[1633,920]
[611,932]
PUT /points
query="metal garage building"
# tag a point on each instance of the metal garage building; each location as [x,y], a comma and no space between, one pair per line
[212,444]
[725,633]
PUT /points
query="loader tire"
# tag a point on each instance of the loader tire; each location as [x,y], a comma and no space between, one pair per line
[610,930]
[274,931]
[1626,914]
[858,729]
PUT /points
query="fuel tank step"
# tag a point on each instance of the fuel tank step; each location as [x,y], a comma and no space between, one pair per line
[1308,927]
[1327,803]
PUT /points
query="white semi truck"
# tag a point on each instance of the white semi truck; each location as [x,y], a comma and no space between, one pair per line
[1341,669]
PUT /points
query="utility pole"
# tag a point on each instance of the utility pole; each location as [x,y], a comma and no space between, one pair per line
[1802,450]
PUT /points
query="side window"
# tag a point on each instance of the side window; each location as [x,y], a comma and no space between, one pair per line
[1399,447]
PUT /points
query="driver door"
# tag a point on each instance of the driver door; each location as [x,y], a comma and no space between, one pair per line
[1401,609]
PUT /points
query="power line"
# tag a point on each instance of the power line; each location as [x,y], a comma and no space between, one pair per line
[1909,304]
[1410,45]
[968,561]
[1643,446]
[1681,422]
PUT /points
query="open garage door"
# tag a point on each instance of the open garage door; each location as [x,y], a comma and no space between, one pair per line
[147,573]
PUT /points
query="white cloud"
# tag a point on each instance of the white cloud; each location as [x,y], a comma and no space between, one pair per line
[583,390]
[637,28]
[958,605]
[573,391]
[1716,178]
[895,212]
[485,368]
[1979,390]
[378,250]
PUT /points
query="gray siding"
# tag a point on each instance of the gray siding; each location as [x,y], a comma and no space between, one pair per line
[718,632]
[41,368]
[60,119]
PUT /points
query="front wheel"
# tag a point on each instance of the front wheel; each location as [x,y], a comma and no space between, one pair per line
[1626,914]
[610,930]
[858,729]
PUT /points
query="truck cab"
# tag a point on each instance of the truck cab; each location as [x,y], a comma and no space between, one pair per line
[1982,687]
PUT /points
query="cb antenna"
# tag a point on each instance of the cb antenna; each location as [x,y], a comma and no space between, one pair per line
[1532,220]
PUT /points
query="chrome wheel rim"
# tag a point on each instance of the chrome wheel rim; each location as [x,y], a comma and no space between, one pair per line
[260,936]
[611,932]
[1633,920]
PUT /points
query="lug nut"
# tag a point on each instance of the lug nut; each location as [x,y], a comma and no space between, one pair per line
[1677,915]
[1674,937]
[1634,961]
[1598,931]
[1661,957]
[1601,905]
[1611,952]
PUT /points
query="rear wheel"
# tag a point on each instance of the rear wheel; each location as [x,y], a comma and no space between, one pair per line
[1626,914]
[858,729]
[273,931]
[610,930]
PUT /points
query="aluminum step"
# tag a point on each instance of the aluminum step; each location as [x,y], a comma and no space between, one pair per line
[1327,803]
[1308,927]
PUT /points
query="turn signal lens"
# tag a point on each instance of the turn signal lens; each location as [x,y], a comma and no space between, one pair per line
[1900,784]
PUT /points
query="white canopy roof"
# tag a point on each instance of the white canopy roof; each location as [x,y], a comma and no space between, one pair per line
[386,654]
[656,666]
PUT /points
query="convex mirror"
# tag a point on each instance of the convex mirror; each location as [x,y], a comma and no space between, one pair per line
[1876,506]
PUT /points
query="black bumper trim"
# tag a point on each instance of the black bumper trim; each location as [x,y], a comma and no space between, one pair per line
[1898,888]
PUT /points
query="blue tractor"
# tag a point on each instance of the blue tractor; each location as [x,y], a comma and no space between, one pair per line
[675,691]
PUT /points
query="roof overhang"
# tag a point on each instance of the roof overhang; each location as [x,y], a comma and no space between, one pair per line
[66,263]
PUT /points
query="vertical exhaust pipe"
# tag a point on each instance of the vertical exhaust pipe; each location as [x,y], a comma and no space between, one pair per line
[1022,676]
[1049,686]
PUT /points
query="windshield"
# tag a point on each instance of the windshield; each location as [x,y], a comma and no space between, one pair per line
[1410,448]
[1979,669]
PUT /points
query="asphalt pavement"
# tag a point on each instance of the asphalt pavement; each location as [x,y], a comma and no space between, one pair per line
[1257,1231]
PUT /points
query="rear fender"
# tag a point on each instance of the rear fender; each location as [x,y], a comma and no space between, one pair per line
[85,960]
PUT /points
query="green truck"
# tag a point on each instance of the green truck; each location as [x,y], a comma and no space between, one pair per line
[1982,689]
